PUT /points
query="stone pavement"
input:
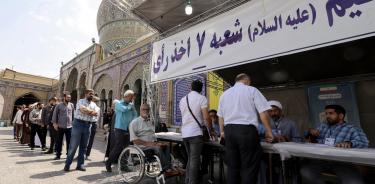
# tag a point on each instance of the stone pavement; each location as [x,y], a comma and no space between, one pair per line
[20,165]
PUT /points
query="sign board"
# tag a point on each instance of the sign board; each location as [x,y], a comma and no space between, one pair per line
[258,30]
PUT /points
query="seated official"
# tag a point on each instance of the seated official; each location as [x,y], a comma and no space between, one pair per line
[142,134]
[214,121]
[336,132]
[284,129]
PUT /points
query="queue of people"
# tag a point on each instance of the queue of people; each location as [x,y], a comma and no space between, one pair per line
[61,119]
[244,118]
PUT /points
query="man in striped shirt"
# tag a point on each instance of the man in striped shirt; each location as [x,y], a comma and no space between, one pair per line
[336,132]
[84,114]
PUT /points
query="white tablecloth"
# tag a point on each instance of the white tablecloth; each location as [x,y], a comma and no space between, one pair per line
[324,152]
[307,150]
[173,136]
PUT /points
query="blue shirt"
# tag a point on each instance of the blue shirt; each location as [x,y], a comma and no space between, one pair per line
[287,128]
[216,127]
[125,113]
[343,132]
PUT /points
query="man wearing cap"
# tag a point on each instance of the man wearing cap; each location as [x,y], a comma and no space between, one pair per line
[284,129]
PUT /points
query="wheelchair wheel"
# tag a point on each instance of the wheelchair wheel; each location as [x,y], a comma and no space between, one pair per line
[153,167]
[131,164]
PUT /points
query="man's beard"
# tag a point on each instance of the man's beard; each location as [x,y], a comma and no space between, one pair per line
[331,122]
[275,118]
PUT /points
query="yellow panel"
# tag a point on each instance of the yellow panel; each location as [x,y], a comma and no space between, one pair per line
[215,85]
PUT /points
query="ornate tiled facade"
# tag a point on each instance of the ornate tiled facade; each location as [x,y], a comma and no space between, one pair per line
[117,26]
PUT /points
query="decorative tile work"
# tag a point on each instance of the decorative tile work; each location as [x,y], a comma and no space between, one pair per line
[181,87]
[164,96]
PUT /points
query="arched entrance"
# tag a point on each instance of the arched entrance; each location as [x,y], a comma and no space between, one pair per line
[110,98]
[26,99]
[138,94]
[82,85]
[62,89]
[103,101]
[1,105]
[71,85]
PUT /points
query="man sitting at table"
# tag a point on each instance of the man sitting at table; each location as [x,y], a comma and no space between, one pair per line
[142,133]
[284,129]
[336,132]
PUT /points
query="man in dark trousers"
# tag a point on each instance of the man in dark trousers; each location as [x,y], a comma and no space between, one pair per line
[47,113]
[62,122]
[35,118]
[125,113]
[84,114]
[239,109]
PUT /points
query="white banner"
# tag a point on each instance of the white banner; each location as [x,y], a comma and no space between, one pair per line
[258,30]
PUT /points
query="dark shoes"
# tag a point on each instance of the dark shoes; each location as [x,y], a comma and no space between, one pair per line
[44,149]
[49,152]
[57,158]
[32,148]
[108,168]
[81,168]
[66,169]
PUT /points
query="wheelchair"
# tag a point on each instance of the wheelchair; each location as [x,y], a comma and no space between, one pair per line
[134,163]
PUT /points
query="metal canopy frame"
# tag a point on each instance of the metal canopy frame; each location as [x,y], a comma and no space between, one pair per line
[168,16]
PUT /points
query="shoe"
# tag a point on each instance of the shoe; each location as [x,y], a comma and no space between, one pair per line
[87,158]
[57,158]
[66,169]
[32,148]
[48,152]
[81,168]
[108,168]
[44,149]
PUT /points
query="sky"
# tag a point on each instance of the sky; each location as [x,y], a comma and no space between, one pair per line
[37,35]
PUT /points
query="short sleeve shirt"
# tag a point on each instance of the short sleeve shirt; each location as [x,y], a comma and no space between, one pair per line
[241,105]
[197,102]
[141,129]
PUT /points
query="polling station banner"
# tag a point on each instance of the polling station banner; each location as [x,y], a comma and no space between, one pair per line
[258,30]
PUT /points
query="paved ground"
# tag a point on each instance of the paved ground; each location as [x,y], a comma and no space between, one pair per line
[21,165]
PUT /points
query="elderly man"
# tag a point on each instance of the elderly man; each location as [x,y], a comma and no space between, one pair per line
[284,129]
[336,132]
[84,114]
[125,113]
[142,133]
[239,109]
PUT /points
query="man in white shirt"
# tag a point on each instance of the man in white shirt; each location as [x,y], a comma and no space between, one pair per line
[17,122]
[239,109]
[191,131]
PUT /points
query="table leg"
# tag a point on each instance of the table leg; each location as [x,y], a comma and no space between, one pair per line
[283,171]
[270,167]
[211,177]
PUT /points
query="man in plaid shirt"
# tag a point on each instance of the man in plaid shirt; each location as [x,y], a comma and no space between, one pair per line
[336,132]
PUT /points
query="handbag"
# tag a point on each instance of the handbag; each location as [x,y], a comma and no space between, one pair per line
[206,134]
